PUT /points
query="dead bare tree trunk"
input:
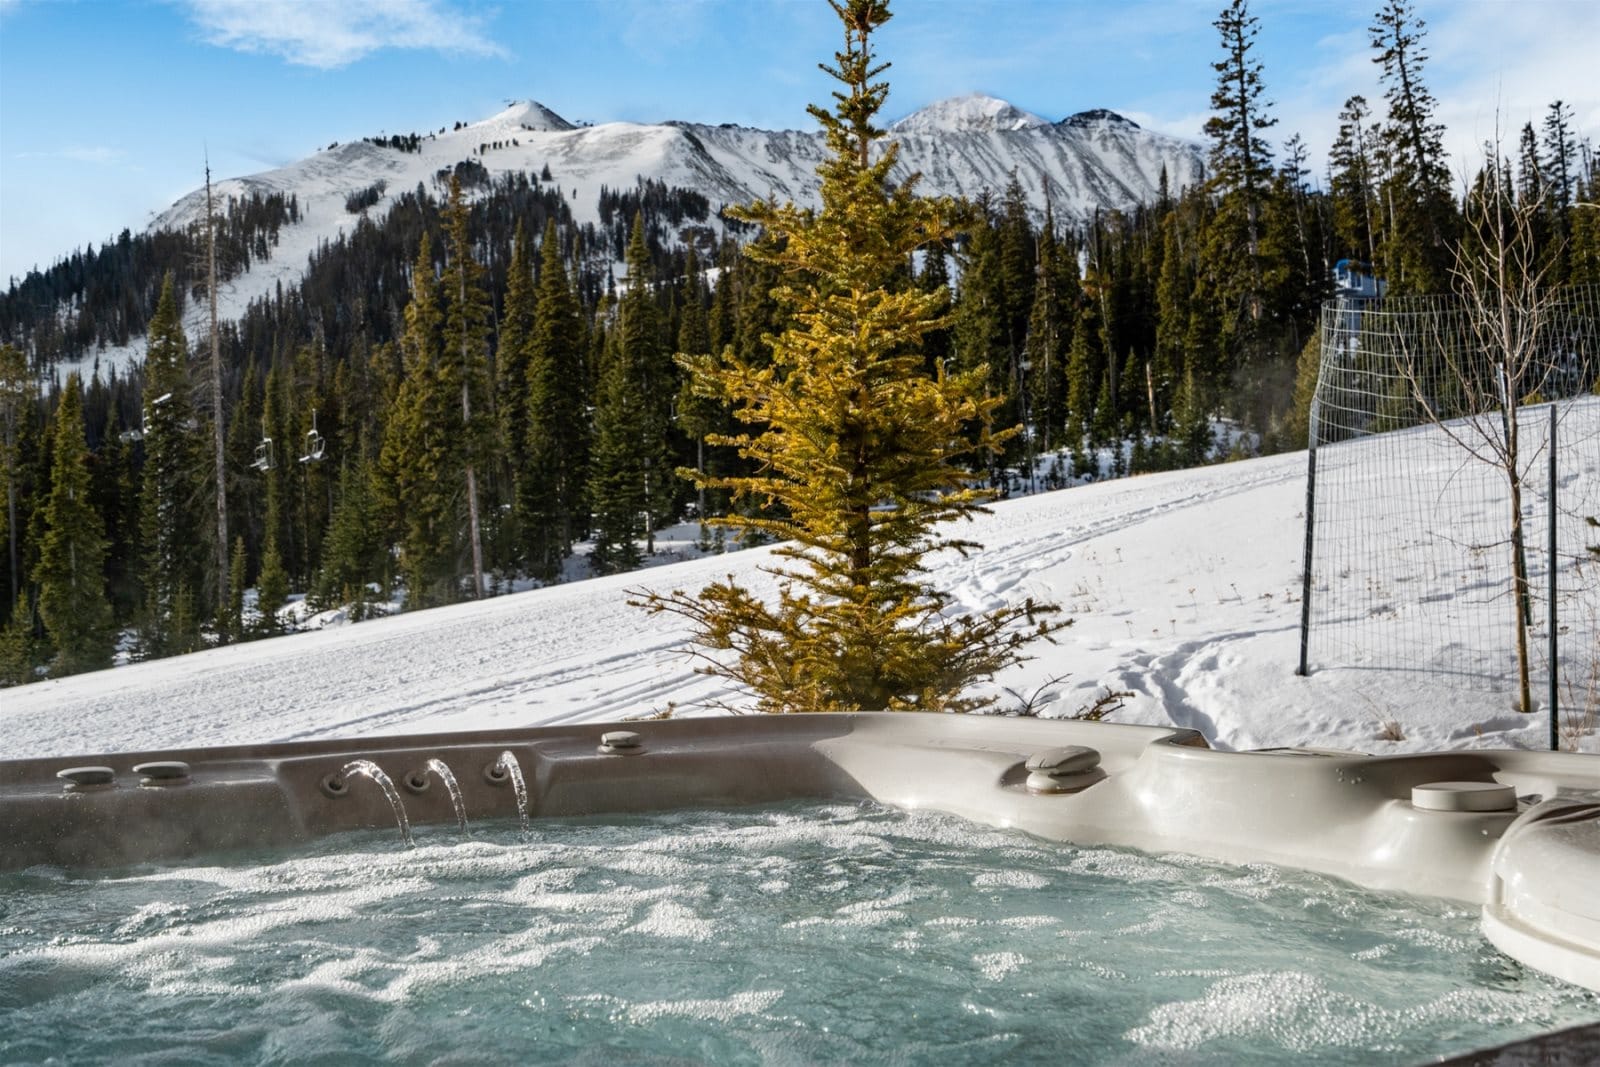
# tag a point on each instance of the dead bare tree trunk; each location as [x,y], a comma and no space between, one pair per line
[1497,361]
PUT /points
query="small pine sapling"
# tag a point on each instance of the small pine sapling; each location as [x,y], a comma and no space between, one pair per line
[855,444]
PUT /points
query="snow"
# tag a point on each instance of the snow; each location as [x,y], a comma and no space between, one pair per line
[962,147]
[967,114]
[1184,591]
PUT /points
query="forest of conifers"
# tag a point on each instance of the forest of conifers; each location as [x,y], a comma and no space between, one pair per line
[460,390]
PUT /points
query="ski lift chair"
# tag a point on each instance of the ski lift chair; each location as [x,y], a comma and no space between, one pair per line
[315,445]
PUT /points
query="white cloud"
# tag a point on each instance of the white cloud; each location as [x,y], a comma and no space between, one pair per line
[334,33]
[1506,63]
[1488,62]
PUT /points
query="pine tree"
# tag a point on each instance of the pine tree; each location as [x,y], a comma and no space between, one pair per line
[616,476]
[628,477]
[170,523]
[643,343]
[418,468]
[1416,253]
[272,588]
[355,549]
[276,522]
[858,444]
[697,415]
[1559,153]
[17,392]
[19,653]
[1353,184]
[464,364]
[1173,289]
[1049,335]
[115,475]
[238,572]
[512,350]
[1240,179]
[550,501]
[1556,169]
[1018,261]
[71,574]
[1086,364]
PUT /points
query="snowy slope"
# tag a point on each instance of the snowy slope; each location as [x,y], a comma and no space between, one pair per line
[1184,589]
[962,147]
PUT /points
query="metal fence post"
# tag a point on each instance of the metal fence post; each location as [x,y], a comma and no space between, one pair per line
[1555,616]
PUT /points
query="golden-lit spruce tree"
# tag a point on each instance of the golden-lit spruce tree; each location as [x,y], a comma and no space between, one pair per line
[855,447]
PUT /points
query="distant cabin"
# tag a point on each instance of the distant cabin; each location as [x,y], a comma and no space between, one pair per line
[1353,279]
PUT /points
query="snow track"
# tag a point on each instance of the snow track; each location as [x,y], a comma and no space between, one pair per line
[1183,589]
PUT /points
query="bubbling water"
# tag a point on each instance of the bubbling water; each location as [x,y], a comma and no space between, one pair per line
[809,933]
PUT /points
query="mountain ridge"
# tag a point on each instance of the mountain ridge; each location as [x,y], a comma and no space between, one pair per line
[968,146]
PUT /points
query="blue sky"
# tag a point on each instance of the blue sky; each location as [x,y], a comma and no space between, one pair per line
[107,108]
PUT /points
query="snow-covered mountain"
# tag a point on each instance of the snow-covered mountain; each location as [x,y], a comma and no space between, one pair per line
[973,113]
[965,146]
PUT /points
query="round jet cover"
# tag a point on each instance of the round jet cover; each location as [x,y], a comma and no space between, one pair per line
[1464,796]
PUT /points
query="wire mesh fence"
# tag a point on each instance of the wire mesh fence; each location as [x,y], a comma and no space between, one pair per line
[1453,492]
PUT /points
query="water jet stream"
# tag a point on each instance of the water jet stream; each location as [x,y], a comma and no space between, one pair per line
[368,769]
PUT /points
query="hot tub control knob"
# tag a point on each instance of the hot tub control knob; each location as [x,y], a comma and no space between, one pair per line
[162,773]
[1464,796]
[1063,770]
[619,742]
[77,778]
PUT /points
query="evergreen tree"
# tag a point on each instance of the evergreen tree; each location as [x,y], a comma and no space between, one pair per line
[1049,335]
[617,473]
[1353,184]
[276,516]
[418,468]
[1583,256]
[1086,365]
[1240,179]
[1018,262]
[19,653]
[552,512]
[465,364]
[115,488]
[643,343]
[170,523]
[697,415]
[17,394]
[272,588]
[858,443]
[1416,253]
[629,491]
[355,549]
[71,573]
[238,572]
[980,330]
[512,351]
[1173,289]
[1556,171]
[1559,154]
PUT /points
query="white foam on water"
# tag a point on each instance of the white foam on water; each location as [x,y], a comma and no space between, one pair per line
[1009,880]
[672,920]
[996,965]
[726,1009]
[653,913]
[1298,1012]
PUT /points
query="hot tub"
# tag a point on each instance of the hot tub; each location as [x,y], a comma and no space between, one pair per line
[1515,834]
